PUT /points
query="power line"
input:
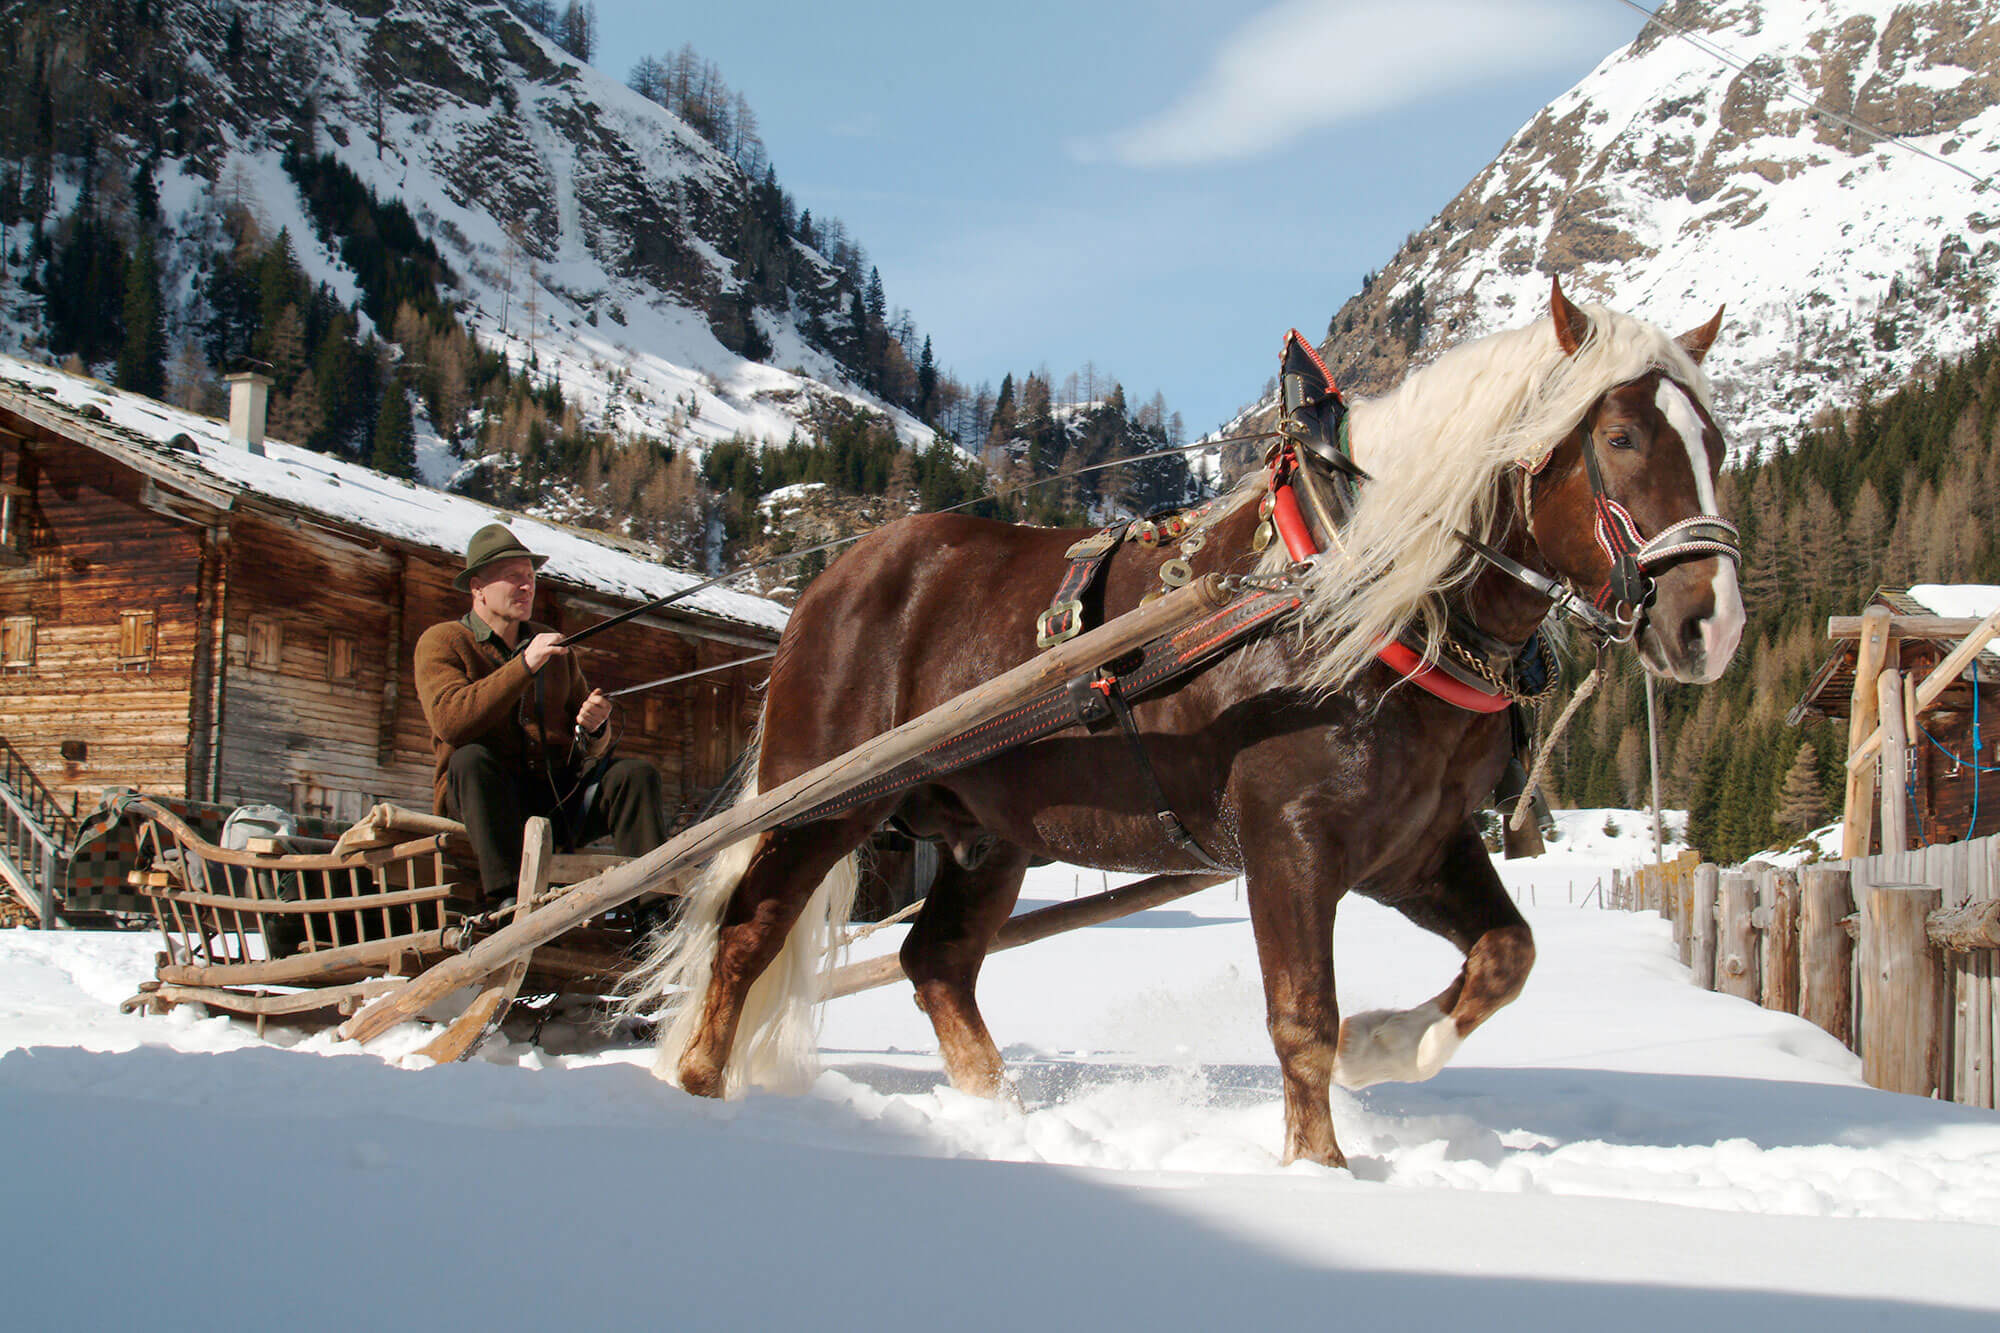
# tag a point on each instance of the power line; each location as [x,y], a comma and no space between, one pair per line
[1805,97]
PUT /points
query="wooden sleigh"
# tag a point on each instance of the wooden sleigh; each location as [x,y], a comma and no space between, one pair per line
[306,931]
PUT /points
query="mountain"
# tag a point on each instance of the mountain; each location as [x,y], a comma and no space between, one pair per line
[1689,172]
[653,271]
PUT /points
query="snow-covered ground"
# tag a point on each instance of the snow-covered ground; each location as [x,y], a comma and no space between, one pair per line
[1616,1149]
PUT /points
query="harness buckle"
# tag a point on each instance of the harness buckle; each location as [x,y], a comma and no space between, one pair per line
[1059,623]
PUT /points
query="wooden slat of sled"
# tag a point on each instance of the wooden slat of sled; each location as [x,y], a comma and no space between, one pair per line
[833,778]
[489,1008]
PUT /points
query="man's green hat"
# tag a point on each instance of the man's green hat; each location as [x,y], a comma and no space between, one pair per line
[492,542]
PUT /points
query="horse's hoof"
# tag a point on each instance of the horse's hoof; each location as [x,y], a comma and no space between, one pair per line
[1394,1046]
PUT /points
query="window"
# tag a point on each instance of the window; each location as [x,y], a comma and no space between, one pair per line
[137,640]
[13,524]
[343,656]
[17,645]
[267,642]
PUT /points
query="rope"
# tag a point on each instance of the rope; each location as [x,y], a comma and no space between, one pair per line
[860,933]
[1523,808]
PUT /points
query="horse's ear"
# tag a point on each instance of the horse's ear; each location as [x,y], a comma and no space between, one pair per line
[1571,326]
[1696,342]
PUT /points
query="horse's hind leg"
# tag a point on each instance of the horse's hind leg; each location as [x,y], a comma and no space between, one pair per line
[783,871]
[1468,905]
[943,953]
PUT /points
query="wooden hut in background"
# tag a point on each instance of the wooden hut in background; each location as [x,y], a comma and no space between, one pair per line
[1950,767]
[192,611]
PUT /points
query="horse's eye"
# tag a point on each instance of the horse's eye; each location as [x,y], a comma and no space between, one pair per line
[1620,439]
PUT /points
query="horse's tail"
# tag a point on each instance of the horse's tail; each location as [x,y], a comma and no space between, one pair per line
[777,1036]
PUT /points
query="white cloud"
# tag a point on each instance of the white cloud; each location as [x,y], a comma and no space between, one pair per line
[1306,64]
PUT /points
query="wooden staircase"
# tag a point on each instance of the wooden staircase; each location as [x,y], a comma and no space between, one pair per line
[36,838]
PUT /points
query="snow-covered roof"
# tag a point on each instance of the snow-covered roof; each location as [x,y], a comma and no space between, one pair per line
[195,448]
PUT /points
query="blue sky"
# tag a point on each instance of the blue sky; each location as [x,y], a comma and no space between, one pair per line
[1160,188]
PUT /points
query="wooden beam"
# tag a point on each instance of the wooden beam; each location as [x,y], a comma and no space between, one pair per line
[1895,761]
[1974,926]
[1906,627]
[1941,678]
[1857,814]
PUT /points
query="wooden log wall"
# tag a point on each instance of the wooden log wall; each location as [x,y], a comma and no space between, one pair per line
[283,650]
[96,553]
[1893,954]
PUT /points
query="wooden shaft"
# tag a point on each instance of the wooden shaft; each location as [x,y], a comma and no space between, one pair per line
[1858,812]
[1902,1004]
[1895,761]
[1039,925]
[1826,954]
[1905,627]
[1736,938]
[833,778]
[1941,678]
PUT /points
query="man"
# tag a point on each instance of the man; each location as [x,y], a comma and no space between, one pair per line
[517,730]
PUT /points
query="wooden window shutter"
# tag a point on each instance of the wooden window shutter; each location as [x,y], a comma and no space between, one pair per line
[267,642]
[343,656]
[17,643]
[138,639]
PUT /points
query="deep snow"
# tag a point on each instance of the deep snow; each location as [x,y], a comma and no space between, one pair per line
[1617,1147]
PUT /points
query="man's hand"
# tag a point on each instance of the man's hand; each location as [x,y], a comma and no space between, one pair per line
[595,712]
[541,648]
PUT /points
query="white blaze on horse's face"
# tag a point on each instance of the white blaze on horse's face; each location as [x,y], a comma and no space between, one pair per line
[1702,647]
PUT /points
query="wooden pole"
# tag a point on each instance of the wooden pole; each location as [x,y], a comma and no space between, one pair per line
[1780,970]
[1701,924]
[1039,925]
[1902,1004]
[1858,813]
[1973,926]
[1826,954]
[1895,761]
[1653,762]
[1736,938]
[835,777]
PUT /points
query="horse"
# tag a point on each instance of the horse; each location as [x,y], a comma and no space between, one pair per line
[1300,756]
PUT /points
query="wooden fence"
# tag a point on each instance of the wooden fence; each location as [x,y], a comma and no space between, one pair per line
[1893,954]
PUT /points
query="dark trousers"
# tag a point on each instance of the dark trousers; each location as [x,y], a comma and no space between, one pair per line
[495,800]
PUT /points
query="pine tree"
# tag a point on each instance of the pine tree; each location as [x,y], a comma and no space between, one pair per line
[142,358]
[1801,802]
[395,443]
[927,379]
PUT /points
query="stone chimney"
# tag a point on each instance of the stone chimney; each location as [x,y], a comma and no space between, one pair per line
[249,394]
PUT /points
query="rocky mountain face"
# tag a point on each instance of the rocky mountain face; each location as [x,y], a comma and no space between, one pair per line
[661,281]
[1685,174]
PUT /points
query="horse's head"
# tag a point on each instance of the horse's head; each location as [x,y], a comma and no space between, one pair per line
[1628,507]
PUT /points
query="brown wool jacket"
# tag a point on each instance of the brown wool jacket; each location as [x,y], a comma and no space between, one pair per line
[476,689]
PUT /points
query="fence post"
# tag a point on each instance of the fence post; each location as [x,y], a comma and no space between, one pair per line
[1701,924]
[1780,968]
[1736,937]
[1895,773]
[1826,955]
[1902,1006]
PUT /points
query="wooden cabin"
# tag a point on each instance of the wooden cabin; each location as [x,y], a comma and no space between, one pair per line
[192,611]
[1953,786]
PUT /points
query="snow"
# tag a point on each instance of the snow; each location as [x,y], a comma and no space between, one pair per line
[1617,1148]
[370,500]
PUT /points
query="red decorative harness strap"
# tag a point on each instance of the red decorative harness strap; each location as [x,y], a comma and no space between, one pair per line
[1398,657]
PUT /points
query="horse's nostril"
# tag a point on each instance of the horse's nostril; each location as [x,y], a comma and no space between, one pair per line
[1691,635]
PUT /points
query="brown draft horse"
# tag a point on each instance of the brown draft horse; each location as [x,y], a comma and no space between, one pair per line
[1298,757]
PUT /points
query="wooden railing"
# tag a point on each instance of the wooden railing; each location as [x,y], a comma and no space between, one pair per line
[1896,955]
[36,835]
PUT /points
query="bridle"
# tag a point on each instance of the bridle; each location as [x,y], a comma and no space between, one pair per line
[1629,590]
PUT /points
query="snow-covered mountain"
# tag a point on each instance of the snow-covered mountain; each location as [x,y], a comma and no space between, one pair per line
[1684,174]
[585,223]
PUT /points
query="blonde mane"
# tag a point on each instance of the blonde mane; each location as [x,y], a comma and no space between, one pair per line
[1437,447]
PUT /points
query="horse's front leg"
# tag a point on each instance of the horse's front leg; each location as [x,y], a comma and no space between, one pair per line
[1292,891]
[1467,904]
